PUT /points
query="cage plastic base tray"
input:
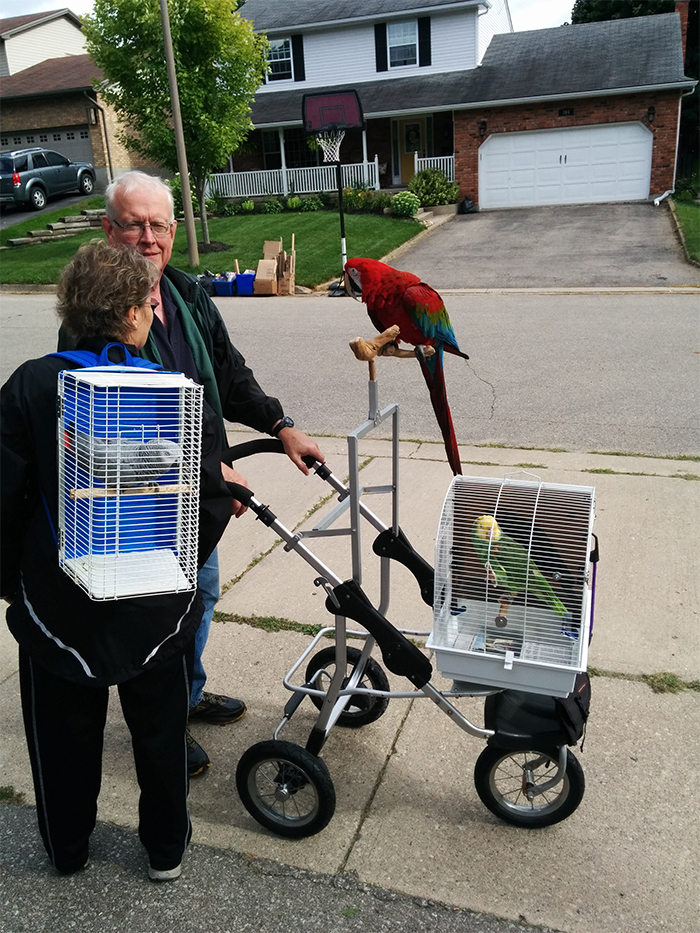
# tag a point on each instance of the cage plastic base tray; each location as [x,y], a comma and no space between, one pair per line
[136,573]
[468,649]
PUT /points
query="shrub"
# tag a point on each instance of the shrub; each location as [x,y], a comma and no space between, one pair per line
[311,203]
[248,206]
[685,190]
[431,187]
[175,186]
[293,203]
[230,209]
[405,204]
[216,203]
[213,204]
[380,201]
[272,206]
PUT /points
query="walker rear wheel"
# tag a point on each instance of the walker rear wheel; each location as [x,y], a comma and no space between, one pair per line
[503,780]
[286,789]
[362,708]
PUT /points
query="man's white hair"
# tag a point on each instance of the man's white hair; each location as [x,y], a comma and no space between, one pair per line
[134,181]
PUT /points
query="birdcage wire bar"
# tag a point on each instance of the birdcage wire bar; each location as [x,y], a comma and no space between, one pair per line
[484,632]
[129,458]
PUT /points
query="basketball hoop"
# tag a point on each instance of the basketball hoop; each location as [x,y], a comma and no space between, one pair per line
[326,117]
[329,141]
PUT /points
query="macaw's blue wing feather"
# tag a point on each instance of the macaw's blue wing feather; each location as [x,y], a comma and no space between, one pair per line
[427,309]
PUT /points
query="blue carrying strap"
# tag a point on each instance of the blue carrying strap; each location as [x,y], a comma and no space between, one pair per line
[87,358]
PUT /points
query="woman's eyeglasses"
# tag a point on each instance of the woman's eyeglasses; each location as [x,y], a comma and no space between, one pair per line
[136,229]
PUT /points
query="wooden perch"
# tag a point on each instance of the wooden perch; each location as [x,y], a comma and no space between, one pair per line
[369,349]
[152,490]
[383,344]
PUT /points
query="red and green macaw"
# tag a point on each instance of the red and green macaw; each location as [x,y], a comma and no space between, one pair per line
[395,297]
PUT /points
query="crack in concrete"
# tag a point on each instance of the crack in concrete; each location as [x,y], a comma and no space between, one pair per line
[491,386]
[377,784]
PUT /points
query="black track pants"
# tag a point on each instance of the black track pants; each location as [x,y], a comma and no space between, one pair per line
[64,724]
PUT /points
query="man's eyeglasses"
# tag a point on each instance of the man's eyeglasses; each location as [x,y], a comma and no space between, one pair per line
[136,229]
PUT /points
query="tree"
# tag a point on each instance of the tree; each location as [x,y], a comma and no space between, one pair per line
[220,64]
[594,11]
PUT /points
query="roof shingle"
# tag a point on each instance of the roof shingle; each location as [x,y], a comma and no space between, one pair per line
[569,61]
[53,76]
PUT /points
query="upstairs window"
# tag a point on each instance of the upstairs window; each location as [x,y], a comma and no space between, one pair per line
[399,44]
[402,42]
[286,59]
[280,60]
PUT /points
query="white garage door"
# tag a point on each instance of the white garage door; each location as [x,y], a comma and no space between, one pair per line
[573,166]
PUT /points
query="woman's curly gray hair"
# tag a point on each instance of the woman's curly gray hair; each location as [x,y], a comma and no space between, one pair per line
[99,285]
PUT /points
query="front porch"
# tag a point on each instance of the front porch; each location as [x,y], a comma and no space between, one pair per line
[313,179]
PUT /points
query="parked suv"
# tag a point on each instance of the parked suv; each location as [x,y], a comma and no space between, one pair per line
[33,175]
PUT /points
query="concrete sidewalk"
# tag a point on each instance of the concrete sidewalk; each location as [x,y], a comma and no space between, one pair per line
[408,818]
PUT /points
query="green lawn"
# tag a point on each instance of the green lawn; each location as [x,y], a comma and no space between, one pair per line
[688,213]
[317,242]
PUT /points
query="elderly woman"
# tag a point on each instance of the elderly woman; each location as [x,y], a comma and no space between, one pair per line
[71,649]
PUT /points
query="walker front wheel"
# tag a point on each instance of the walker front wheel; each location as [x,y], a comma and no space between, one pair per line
[286,789]
[362,708]
[505,782]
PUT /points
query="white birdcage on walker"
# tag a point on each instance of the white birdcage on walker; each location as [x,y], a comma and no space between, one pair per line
[129,458]
[513,595]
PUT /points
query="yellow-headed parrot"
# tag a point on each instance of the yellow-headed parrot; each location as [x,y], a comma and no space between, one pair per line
[509,567]
[395,297]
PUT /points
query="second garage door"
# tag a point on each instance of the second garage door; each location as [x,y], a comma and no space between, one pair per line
[572,166]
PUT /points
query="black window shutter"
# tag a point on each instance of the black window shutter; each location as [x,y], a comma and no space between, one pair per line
[298,57]
[380,46]
[424,53]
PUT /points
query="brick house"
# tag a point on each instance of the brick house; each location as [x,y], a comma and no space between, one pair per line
[575,114]
[50,101]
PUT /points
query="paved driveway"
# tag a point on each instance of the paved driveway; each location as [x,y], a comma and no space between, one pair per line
[551,247]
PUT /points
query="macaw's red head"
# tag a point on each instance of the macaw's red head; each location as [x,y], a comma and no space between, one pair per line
[360,276]
[375,281]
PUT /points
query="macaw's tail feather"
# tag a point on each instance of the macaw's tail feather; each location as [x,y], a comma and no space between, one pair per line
[434,376]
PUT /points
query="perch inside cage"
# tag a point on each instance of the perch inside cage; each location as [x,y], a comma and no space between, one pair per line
[129,456]
[512,589]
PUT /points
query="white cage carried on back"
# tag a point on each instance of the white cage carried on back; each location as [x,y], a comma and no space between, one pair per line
[129,457]
[527,629]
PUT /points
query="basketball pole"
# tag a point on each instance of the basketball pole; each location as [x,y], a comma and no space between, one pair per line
[343,246]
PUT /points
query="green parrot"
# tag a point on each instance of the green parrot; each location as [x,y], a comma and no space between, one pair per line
[508,566]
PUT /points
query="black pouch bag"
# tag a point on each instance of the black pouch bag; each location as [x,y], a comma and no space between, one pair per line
[573,710]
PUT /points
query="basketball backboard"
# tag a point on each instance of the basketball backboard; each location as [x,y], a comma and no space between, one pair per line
[339,111]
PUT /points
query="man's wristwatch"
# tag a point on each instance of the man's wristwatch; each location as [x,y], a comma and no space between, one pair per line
[285,422]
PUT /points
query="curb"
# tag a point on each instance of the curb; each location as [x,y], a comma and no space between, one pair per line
[681,235]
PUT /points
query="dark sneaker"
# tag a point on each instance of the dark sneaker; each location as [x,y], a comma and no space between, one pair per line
[217,709]
[197,758]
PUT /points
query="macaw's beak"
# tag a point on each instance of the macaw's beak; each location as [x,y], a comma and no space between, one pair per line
[352,288]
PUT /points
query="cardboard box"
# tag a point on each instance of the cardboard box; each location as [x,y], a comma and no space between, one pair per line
[272,248]
[266,277]
[286,283]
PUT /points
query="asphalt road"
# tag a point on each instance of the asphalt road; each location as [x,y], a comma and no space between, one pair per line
[613,372]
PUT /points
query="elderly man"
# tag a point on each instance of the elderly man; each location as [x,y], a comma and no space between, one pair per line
[189,335]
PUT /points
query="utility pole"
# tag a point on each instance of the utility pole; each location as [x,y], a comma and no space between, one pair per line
[192,250]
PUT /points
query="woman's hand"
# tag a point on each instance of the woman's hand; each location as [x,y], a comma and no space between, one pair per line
[230,476]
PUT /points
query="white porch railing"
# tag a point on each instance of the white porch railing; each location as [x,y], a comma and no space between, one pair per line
[293,180]
[446,164]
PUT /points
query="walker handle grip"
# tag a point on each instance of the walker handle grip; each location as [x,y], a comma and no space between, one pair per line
[262,445]
[241,493]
